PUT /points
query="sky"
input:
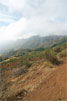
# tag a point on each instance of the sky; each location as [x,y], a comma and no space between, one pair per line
[25,18]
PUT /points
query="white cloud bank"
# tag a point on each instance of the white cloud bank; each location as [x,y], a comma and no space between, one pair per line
[39,17]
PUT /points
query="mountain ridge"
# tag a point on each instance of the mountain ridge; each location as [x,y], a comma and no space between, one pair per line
[33,43]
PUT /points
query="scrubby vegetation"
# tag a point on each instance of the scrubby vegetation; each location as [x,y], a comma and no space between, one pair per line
[63,54]
[51,56]
[29,57]
[60,47]
[19,64]
[1,59]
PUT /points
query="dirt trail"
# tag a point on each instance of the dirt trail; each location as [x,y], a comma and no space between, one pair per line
[53,88]
[42,82]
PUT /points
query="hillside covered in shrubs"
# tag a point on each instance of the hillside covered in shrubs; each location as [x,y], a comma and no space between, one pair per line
[20,67]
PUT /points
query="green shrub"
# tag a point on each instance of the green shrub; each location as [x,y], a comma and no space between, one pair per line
[57,49]
[1,59]
[51,56]
[60,48]
[28,65]
[17,97]
[63,54]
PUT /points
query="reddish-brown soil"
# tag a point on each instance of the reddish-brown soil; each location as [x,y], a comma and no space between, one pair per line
[42,82]
[53,88]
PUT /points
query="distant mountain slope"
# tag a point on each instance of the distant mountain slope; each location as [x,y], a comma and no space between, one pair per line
[32,43]
[43,42]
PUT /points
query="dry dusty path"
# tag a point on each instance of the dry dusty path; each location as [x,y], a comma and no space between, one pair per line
[53,88]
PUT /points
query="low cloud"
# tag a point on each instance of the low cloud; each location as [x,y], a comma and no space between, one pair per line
[37,17]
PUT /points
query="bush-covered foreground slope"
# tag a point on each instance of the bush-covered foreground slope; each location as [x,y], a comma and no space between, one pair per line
[38,74]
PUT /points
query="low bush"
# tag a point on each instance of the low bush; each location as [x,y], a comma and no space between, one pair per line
[57,49]
[60,47]
[19,72]
[17,97]
[1,59]
[28,65]
[63,54]
[51,56]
